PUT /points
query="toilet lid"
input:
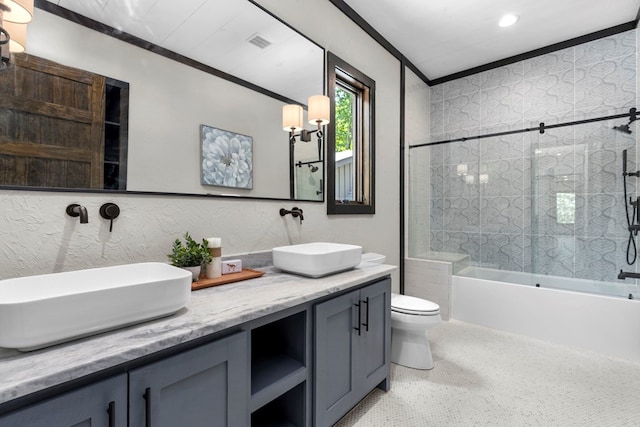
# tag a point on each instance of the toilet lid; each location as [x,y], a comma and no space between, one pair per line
[412,305]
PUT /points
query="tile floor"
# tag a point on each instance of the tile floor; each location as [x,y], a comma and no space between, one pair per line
[492,378]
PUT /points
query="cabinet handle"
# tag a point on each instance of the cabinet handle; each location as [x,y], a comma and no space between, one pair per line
[358,328]
[112,414]
[366,325]
[147,407]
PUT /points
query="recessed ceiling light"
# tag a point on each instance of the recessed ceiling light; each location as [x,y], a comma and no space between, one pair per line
[508,20]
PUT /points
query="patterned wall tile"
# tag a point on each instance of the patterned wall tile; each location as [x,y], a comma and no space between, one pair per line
[461,185]
[502,251]
[464,243]
[437,117]
[547,142]
[462,214]
[462,151]
[553,215]
[548,96]
[605,87]
[437,181]
[437,214]
[436,241]
[501,147]
[462,86]
[603,215]
[437,92]
[600,258]
[437,154]
[553,203]
[462,112]
[503,215]
[509,75]
[604,49]
[602,172]
[505,177]
[551,63]
[501,104]
[553,255]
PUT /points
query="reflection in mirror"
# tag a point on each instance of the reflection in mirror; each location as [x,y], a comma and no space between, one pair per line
[308,170]
[350,140]
[62,127]
[172,95]
[307,183]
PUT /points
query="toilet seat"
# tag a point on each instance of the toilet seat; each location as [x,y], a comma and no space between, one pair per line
[414,306]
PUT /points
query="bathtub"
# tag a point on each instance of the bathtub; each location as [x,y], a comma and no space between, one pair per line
[510,301]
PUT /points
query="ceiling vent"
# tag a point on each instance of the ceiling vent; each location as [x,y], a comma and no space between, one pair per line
[259,41]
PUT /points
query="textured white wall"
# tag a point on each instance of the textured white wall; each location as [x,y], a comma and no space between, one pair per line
[37,237]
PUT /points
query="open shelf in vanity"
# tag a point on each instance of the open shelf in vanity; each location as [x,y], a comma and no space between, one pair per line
[279,371]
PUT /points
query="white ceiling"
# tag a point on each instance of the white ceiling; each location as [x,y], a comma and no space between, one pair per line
[216,33]
[443,37]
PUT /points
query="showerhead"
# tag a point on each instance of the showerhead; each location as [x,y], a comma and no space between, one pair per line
[623,128]
[313,168]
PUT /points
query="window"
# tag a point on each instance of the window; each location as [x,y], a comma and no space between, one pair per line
[350,140]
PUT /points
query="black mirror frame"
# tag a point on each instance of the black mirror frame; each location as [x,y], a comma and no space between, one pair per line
[334,208]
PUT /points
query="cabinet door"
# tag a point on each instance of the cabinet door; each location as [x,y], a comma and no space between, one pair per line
[206,386]
[102,404]
[373,356]
[335,340]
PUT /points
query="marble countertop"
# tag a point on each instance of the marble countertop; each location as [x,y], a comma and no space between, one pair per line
[209,311]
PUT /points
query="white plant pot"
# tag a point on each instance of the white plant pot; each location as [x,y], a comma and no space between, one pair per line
[195,271]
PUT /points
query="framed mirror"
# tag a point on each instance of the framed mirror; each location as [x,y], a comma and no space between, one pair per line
[227,65]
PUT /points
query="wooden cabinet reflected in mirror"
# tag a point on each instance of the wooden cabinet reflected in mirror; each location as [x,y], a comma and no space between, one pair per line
[61,127]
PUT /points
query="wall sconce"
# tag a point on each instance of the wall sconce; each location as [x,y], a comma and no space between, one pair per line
[461,169]
[292,118]
[484,178]
[14,16]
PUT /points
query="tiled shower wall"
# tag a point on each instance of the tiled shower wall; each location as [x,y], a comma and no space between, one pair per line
[547,203]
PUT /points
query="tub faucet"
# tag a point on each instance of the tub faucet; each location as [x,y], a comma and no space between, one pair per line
[624,274]
[75,210]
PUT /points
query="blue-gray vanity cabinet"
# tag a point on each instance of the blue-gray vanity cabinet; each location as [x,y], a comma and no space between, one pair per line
[101,404]
[206,386]
[352,349]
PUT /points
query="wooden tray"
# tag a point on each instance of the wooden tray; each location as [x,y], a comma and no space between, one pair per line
[245,274]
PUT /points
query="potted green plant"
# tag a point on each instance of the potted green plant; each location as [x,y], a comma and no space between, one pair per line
[191,255]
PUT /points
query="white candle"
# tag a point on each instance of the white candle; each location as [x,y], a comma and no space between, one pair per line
[214,242]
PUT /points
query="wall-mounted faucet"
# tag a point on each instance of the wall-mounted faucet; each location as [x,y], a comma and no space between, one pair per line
[76,210]
[295,212]
[627,274]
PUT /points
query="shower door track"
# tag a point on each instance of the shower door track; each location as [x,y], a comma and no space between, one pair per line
[632,115]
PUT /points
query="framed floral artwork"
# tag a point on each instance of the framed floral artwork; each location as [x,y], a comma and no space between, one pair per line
[226,158]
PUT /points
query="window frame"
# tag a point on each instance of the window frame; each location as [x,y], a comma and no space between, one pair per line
[340,73]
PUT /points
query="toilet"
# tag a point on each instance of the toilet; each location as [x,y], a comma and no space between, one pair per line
[411,318]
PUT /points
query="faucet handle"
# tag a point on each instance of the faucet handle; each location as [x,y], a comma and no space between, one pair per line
[110,211]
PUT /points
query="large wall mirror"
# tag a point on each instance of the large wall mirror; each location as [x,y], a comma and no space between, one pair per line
[194,73]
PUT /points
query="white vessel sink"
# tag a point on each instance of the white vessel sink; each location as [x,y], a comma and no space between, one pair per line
[317,259]
[39,311]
